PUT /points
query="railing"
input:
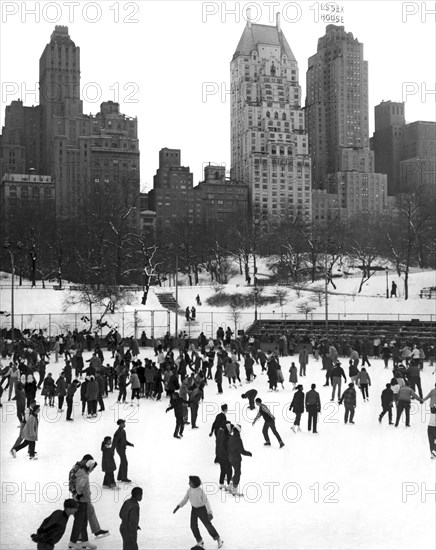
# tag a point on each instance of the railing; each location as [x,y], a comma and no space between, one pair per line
[156,323]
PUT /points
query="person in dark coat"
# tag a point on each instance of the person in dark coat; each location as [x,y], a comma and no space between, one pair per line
[108,463]
[248,365]
[52,529]
[313,407]
[219,378]
[61,390]
[176,404]
[270,422]
[222,454]
[188,313]
[394,289]
[71,390]
[250,395]
[236,450]
[119,442]
[297,406]
[387,400]
[83,395]
[349,400]
[20,397]
[219,422]
[173,383]
[272,367]
[48,390]
[336,375]
[129,515]
[92,396]
[195,396]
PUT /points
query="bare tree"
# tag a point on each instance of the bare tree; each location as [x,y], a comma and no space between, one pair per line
[306,307]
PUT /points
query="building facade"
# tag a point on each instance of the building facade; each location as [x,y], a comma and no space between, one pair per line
[269,145]
[174,197]
[337,123]
[336,106]
[405,152]
[56,138]
[24,197]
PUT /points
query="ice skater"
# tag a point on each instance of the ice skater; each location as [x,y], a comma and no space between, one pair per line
[349,400]
[387,400]
[269,423]
[53,527]
[236,450]
[297,406]
[120,443]
[129,515]
[108,463]
[200,510]
[250,395]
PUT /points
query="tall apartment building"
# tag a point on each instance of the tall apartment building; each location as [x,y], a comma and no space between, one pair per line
[174,198]
[57,139]
[405,152]
[337,124]
[269,145]
[387,141]
[336,102]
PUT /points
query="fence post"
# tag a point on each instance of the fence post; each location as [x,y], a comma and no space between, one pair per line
[22,321]
[211,324]
[122,320]
[49,325]
[75,320]
[152,323]
[169,321]
[135,323]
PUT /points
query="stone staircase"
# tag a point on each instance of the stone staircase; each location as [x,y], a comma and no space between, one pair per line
[167,300]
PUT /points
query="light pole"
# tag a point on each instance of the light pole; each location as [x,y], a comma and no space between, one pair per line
[326,300]
[7,246]
[177,296]
[387,282]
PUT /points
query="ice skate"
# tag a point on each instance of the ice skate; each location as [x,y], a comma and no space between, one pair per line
[220,542]
[33,458]
[13,453]
[102,533]
[74,546]
[89,546]
[298,429]
[293,429]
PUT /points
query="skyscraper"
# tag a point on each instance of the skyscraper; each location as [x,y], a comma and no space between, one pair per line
[80,152]
[269,146]
[337,124]
[336,102]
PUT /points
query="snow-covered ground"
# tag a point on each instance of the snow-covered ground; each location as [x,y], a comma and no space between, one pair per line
[351,486]
[33,306]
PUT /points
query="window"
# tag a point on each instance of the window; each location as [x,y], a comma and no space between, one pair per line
[24,192]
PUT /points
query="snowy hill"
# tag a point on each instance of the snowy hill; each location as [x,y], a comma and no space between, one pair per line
[39,308]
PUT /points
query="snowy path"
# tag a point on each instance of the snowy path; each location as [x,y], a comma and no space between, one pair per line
[344,488]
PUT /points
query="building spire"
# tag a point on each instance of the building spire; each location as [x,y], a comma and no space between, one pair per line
[278,21]
[249,18]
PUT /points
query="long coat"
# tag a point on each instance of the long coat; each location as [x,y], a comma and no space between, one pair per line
[30,430]
[297,404]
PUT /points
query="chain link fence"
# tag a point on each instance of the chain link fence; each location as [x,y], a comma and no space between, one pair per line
[155,323]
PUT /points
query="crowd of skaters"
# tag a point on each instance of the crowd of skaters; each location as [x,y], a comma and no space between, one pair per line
[182,373]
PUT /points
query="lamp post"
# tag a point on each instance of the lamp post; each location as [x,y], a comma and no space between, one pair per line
[7,246]
[326,300]
[177,296]
[387,282]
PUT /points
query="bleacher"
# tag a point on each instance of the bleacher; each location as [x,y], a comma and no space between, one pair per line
[424,331]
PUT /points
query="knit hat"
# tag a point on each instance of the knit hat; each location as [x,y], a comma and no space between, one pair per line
[91,464]
[120,421]
[238,427]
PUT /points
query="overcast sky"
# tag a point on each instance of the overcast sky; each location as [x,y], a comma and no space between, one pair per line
[158,59]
